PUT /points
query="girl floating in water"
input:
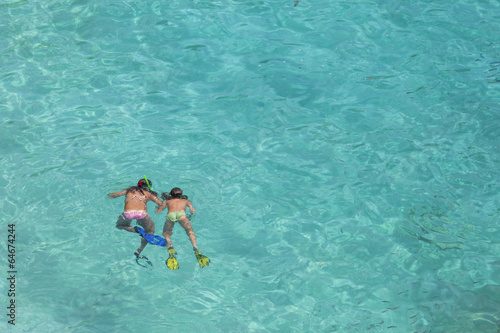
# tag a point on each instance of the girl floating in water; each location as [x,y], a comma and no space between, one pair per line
[136,198]
[177,203]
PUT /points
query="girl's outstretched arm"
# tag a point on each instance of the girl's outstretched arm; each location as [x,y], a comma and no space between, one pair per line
[117,194]
[157,201]
[161,207]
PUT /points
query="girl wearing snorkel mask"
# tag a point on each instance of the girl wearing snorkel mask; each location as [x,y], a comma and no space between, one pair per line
[136,198]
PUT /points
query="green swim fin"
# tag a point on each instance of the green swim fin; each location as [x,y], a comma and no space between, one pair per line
[171,261]
[202,260]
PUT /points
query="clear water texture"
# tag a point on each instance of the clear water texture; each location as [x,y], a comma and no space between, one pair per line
[342,156]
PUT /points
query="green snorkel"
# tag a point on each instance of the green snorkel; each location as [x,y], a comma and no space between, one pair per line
[147,183]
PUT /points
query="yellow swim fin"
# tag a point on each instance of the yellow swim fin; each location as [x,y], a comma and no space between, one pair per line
[202,260]
[171,261]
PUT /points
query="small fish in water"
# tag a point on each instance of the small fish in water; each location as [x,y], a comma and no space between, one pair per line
[296,3]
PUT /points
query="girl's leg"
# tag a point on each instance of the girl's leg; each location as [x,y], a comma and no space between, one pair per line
[124,224]
[147,224]
[167,232]
[143,245]
[149,228]
[184,222]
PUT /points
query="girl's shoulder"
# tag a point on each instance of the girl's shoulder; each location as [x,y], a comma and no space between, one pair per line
[132,190]
[129,192]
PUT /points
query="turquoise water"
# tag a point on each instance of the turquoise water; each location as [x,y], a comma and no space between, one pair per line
[342,157]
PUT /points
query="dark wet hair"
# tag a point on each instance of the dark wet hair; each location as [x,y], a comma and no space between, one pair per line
[142,185]
[175,193]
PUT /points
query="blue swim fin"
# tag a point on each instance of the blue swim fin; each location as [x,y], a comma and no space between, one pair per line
[139,259]
[152,239]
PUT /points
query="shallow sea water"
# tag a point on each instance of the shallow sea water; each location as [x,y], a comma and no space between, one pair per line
[342,157]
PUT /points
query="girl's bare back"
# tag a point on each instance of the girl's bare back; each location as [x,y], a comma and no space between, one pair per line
[135,200]
[175,205]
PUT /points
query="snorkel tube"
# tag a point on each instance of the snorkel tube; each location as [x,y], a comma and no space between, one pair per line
[147,183]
